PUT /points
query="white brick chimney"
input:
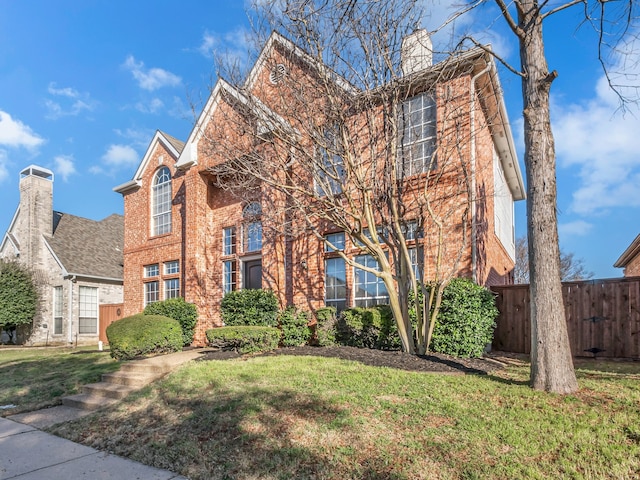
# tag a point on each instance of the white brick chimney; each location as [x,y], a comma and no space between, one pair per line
[417,52]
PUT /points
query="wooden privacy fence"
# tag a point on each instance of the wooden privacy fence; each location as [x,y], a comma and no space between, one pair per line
[109,313]
[603,318]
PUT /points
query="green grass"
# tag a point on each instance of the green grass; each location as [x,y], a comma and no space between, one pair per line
[34,378]
[283,417]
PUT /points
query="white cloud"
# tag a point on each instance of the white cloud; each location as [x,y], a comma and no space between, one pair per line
[574,228]
[120,156]
[230,48]
[139,138]
[71,102]
[153,78]
[14,133]
[602,143]
[154,106]
[64,166]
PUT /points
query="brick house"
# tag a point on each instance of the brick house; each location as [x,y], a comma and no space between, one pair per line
[630,259]
[77,263]
[187,235]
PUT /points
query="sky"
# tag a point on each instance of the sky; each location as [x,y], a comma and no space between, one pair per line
[84,85]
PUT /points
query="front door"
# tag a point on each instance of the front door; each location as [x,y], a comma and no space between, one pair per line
[252,274]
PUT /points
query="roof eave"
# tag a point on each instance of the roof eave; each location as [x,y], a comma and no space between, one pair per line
[127,187]
[629,254]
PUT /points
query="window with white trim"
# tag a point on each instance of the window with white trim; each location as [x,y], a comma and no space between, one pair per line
[252,229]
[171,288]
[335,283]
[161,202]
[335,239]
[57,310]
[151,292]
[229,277]
[172,267]
[418,135]
[369,289]
[88,316]
[229,241]
[151,270]
[330,173]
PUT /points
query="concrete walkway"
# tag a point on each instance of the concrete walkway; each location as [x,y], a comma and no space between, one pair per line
[29,454]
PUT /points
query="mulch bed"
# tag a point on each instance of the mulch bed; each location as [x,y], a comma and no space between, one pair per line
[436,362]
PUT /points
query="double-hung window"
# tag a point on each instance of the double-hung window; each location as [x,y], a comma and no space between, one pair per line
[57,310]
[335,273]
[229,241]
[369,288]
[418,135]
[88,321]
[229,276]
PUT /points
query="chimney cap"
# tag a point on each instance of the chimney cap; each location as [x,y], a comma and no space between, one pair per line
[35,170]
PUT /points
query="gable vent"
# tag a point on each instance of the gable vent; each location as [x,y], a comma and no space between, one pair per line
[277,73]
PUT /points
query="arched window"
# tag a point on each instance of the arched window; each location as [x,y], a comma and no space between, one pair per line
[161,202]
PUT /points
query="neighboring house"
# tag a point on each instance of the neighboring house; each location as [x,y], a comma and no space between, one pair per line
[186,236]
[630,259]
[77,263]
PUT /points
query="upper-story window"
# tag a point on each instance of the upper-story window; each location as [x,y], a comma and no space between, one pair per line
[252,227]
[161,202]
[418,135]
[330,172]
[335,239]
[229,241]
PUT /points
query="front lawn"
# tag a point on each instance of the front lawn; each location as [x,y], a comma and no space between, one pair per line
[325,418]
[34,378]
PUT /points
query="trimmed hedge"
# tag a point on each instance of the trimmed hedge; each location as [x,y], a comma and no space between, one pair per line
[185,313]
[244,339]
[294,325]
[18,295]
[141,334]
[372,327]
[250,308]
[325,328]
[466,319]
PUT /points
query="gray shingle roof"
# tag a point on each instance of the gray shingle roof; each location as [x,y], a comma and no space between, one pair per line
[87,247]
[177,144]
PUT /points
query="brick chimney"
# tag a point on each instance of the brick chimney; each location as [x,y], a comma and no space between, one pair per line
[36,210]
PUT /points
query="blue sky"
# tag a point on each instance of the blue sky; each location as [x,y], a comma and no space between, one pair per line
[84,84]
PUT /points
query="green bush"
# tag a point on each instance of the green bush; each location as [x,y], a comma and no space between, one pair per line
[372,327]
[294,325]
[18,295]
[250,308]
[324,334]
[185,313]
[244,339]
[466,319]
[141,334]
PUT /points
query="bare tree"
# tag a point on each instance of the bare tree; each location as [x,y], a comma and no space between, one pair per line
[571,267]
[551,362]
[323,153]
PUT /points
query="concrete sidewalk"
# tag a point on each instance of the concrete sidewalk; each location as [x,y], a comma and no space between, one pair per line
[29,454]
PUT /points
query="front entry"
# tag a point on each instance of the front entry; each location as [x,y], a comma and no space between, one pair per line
[252,274]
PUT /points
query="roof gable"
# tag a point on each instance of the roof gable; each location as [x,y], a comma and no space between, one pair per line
[632,251]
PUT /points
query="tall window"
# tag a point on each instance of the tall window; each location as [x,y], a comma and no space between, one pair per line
[229,241]
[57,310]
[161,202]
[88,321]
[335,283]
[228,276]
[172,267]
[335,239]
[171,288]
[418,130]
[151,292]
[330,174]
[369,289]
[252,228]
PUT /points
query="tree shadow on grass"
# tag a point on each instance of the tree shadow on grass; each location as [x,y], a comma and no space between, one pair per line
[221,432]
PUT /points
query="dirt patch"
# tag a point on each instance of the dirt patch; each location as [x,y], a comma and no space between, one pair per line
[378,358]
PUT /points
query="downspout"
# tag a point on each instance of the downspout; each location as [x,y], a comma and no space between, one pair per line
[70,307]
[474,234]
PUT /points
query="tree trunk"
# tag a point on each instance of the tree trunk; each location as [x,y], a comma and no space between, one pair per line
[551,360]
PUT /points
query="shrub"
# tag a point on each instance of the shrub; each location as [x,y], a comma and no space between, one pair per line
[185,313]
[466,319]
[294,325]
[18,295]
[141,334]
[244,339]
[250,308]
[325,328]
[372,327]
